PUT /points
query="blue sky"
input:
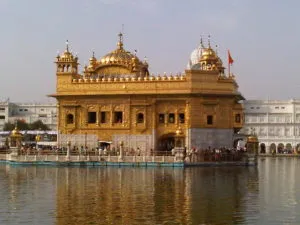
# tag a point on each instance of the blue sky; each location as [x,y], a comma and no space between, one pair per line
[263,37]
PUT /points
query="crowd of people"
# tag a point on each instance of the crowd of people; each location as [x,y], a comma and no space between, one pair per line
[214,154]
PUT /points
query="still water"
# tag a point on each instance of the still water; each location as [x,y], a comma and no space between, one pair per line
[268,194]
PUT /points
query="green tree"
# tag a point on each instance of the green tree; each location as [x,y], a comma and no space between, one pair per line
[21,124]
[38,125]
[8,126]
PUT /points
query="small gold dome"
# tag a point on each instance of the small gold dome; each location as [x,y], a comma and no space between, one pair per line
[16,133]
[252,139]
[208,54]
[118,56]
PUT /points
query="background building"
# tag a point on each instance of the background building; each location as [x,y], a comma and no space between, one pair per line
[276,123]
[28,112]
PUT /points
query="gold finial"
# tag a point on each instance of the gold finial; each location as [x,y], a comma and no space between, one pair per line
[67,45]
[209,40]
[201,42]
[120,43]
[93,54]
[217,49]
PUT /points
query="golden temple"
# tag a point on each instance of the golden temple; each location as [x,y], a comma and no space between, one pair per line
[116,99]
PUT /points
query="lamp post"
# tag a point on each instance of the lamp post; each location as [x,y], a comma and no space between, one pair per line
[121,150]
[68,150]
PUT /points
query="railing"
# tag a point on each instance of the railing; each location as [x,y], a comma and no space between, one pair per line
[202,156]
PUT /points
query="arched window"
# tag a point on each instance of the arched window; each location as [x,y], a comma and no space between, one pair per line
[140,118]
[70,119]
[237,118]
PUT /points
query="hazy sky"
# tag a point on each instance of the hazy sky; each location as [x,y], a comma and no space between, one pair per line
[262,35]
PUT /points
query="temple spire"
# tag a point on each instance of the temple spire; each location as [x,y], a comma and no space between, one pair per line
[67,45]
[120,43]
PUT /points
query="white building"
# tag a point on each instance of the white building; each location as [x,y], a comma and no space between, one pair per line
[276,123]
[28,112]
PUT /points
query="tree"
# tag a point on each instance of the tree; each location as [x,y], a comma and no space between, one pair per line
[38,125]
[8,126]
[21,124]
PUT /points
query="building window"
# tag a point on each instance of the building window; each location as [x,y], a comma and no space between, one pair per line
[25,110]
[171,118]
[237,118]
[282,107]
[2,117]
[181,117]
[140,118]
[277,107]
[2,109]
[103,117]
[21,110]
[161,118]
[209,120]
[42,109]
[92,117]
[70,119]
[118,117]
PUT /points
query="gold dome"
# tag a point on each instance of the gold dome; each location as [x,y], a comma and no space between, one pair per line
[67,55]
[119,56]
[208,54]
[16,133]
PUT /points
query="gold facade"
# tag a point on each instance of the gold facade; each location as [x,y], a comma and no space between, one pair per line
[116,95]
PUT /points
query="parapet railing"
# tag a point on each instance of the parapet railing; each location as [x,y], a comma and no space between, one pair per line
[130,79]
[110,155]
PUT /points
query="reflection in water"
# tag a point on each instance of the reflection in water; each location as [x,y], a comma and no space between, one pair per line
[111,195]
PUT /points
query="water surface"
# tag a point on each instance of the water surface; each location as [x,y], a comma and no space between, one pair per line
[267,194]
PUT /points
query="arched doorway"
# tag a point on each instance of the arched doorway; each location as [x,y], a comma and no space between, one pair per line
[289,148]
[280,148]
[298,148]
[272,148]
[166,142]
[262,148]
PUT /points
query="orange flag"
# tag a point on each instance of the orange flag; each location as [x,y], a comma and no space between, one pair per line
[230,60]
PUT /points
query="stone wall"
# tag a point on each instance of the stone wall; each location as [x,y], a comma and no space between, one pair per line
[144,142]
[215,138]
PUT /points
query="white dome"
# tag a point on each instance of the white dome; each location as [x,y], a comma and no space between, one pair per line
[195,56]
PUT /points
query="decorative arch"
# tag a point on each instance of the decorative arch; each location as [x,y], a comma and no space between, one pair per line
[70,118]
[289,148]
[140,118]
[273,148]
[280,148]
[298,148]
[166,142]
[262,148]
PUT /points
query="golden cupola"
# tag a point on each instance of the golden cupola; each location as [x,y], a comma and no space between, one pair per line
[209,60]
[67,62]
[120,63]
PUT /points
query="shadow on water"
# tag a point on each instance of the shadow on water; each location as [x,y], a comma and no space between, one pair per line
[112,195]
